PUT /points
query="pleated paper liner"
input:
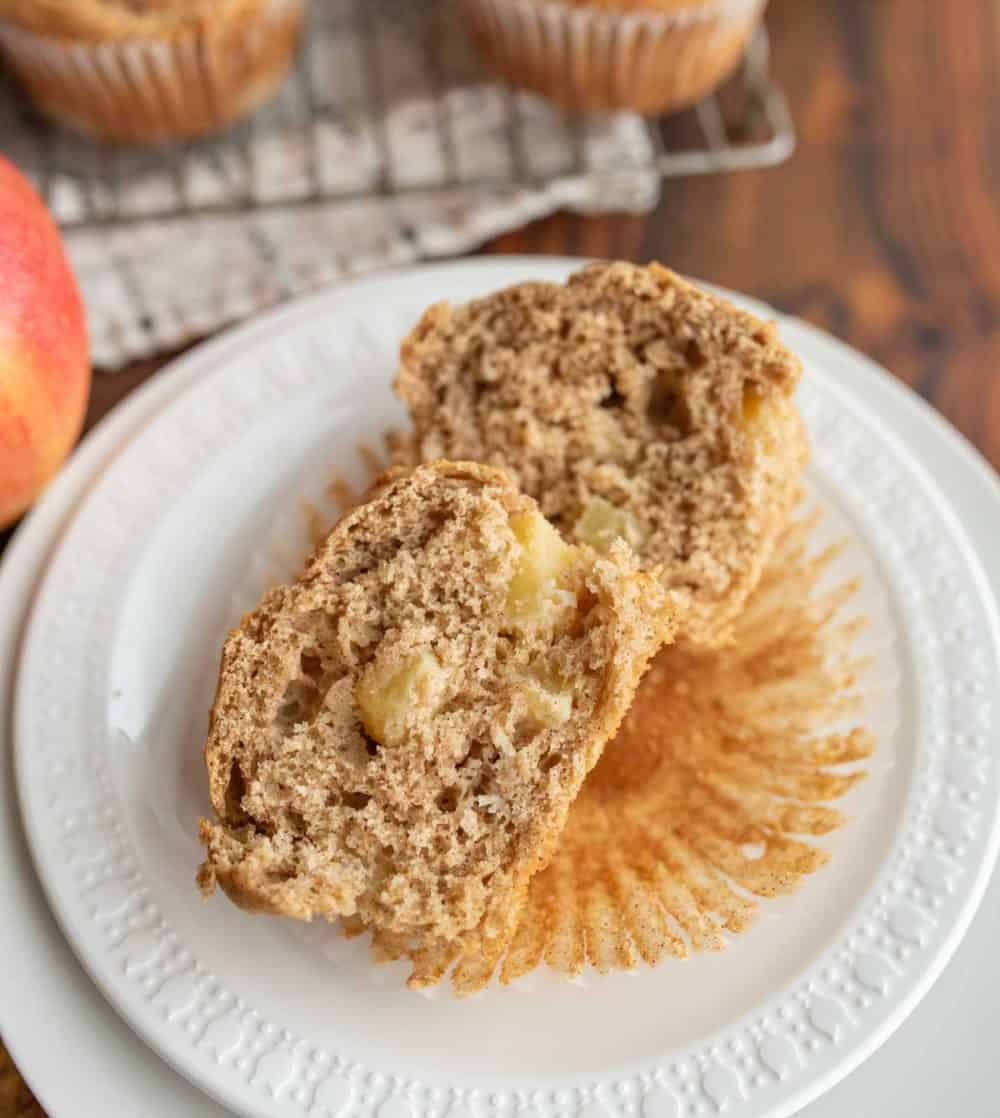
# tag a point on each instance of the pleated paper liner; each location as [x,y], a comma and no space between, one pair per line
[716,792]
[590,57]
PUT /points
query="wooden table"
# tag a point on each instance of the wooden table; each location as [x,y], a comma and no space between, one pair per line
[884,228]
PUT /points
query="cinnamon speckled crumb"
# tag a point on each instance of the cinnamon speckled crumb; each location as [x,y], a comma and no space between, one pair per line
[714,795]
[630,385]
[387,743]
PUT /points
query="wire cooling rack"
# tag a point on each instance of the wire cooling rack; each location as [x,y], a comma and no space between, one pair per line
[387,99]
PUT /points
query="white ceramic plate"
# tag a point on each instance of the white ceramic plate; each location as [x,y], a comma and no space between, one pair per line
[111,704]
[100,1069]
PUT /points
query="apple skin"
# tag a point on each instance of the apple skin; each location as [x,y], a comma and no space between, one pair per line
[44,363]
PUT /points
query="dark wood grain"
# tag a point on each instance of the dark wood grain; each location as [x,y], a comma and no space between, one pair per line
[16,1101]
[884,228]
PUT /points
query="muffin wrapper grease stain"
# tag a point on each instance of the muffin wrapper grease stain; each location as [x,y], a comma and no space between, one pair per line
[716,792]
[178,85]
[600,59]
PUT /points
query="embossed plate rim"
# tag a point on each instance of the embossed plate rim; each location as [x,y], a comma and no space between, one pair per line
[509,271]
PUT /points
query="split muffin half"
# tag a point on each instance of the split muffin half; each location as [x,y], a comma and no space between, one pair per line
[398,736]
[631,405]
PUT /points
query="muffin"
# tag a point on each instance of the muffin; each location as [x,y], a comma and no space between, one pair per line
[629,403]
[141,71]
[398,736]
[649,56]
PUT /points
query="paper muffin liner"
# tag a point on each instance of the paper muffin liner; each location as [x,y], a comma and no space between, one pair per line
[717,791]
[714,797]
[599,59]
[193,81]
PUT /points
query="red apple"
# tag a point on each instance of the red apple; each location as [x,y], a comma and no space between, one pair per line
[44,368]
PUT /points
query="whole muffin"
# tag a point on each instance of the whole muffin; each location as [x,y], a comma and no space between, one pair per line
[650,56]
[141,71]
